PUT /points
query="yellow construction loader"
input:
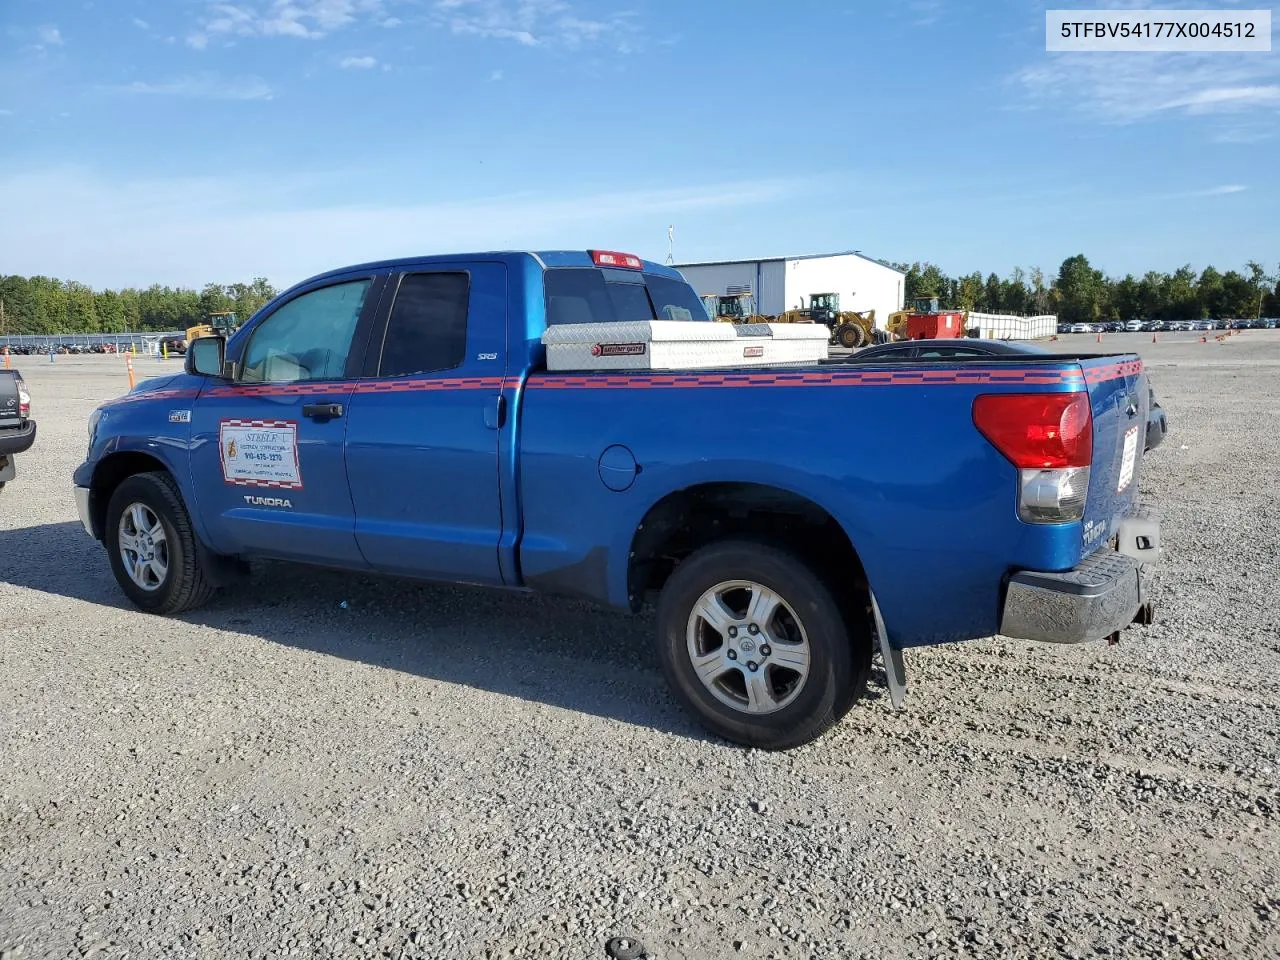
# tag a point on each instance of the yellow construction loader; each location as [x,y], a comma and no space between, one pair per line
[224,323]
[733,308]
[849,328]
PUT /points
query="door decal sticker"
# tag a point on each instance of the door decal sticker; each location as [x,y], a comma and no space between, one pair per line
[260,453]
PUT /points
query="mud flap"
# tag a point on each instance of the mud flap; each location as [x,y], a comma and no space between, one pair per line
[895,668]
[7,469]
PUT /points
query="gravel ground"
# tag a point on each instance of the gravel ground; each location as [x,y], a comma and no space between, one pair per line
[428,772]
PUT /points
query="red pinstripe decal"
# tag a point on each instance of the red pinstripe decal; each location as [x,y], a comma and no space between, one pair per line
[845,378]
[1112,371]
[607,381]
[397,385]
[156,395]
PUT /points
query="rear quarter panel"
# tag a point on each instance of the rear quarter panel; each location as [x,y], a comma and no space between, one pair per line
[891,453]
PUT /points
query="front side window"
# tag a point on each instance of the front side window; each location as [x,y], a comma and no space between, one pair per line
[427,330]
[308,338]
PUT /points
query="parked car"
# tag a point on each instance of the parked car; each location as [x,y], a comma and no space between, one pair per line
[1271,323]
[17,428]
[174,346]
[1081,328]
[917,351]
[400,417]
[1133,326]
[1064,328]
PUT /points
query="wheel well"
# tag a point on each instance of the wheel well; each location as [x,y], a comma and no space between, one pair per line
[109,474]
[688,519]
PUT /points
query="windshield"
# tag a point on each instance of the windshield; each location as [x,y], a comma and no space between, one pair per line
[590,295]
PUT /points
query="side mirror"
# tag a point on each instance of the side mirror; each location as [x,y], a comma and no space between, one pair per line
[205,356]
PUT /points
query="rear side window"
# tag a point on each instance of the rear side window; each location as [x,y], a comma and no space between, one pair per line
[427,330]
[586,295]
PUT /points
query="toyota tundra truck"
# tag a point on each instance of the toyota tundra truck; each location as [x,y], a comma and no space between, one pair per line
[399,418]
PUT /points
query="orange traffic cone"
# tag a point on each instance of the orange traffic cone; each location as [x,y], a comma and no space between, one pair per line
[128,360]
[6,358]
[1099,336]
[1153,337]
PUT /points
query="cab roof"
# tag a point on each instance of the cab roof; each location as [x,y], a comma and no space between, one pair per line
[545,258]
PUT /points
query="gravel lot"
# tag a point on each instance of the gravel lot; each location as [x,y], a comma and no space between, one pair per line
[426,772]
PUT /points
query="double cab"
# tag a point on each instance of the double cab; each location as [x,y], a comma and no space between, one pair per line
[399,418]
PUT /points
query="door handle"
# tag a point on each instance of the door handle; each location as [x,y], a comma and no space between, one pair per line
[495,413]
[322,411]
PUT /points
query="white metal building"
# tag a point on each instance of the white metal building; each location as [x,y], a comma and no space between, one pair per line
[785,283]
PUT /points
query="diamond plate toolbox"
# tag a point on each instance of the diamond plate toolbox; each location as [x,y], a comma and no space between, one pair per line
[682,345]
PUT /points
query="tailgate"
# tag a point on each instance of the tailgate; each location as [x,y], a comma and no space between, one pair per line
[1119,399]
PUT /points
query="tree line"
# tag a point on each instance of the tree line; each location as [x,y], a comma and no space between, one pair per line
[1082,294]
[47,305]
[1079,293]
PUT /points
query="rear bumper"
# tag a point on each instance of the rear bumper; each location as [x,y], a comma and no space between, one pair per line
[1100,597]
[19,440]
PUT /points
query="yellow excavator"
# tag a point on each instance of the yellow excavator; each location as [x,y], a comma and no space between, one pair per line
[223,323]
[849,328]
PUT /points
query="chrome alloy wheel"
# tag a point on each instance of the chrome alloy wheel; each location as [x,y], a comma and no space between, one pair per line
[748,647]
[144,549]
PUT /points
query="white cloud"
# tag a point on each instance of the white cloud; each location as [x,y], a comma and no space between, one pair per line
[924,13]
[1225,189]
[527,22]
[495,76]
[204,86]
[50,36]
[1127,88]
[538,22]
[306,19]
[197,41]
[141,24]
[1227,98]
[358,63]
[6,113]
[114,232]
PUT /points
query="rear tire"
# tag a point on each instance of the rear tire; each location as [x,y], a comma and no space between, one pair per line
[768,705]
[164,572]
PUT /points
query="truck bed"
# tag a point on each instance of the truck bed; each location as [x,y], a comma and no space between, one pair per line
[890,451]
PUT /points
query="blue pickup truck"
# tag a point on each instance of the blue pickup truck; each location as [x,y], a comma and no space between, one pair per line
[399,417]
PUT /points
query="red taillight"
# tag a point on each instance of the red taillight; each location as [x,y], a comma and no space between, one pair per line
[1044,430]
[610,258]
[24,400]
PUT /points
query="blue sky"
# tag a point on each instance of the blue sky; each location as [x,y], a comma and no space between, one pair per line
[181,141]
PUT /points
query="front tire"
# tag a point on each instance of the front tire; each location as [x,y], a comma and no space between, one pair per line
[753,644]
[851,336]
[152,547]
